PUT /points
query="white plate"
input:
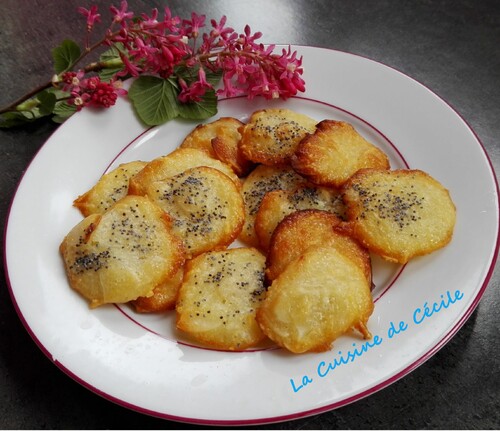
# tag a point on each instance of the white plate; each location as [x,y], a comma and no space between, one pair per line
[140,361]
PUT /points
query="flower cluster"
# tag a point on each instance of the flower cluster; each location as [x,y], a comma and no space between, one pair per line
[90,91]
[154,45]
[172,58]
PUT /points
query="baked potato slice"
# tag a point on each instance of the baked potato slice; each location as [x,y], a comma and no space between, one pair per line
[220,139]
[399,214]
[303,229]
[174,163]
[319,296]
[278,204]
[110,188]
[206,206]
[271,135]
[261,180]
[219,297]
[334,152]
[164,296]
[122,254]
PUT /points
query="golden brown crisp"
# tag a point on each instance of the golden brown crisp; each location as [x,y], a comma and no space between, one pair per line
[271,135]
[232,155]
[174,163]
[399,214]
[219,297]
[164,295]
[278,204]
[122,254]
[220,139]
[264,179]
[110,188]
[335,152]
[206,206]
[307,228]
[319,296]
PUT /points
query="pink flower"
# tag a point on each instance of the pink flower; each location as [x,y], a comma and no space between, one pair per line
[290,79]
[94,92]
[229,90]
[195,91]
[220,29]
[91,15]
[170,22]
[150,21]
[130,68]
[118,86]
[120,15]
[248,39]
[92,83]
[169,47]
[193,25]
[104,95]
[72,80]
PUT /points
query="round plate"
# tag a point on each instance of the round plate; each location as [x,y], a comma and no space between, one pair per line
[142,363]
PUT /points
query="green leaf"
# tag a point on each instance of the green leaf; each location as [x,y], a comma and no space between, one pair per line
[202,110]
[190,74]
[108,74]
[62,111]
[111,58]
[65,55]
[13,119]
[112,53]
[47,102]
[154,99]
[44,104]
[214,77]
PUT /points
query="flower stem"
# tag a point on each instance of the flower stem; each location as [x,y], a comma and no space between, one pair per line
[92,67]
[13,105]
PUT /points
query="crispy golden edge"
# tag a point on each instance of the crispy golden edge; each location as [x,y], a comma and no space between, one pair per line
[355,226]
[230,153]
[261,180]
[259,146]
[233,216]
[335,137]
[220,139]
[183,320]
[292,236]
[93,200]
[164,295]
[177,252]
[306,228]
[278,204]
[292,278]
[273,208]
[196,139]
[173,164]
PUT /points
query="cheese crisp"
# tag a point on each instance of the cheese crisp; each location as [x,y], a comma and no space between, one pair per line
[278,204]
[110,188]
[271,135]
[122,254]
[220,296]
[319,296]
[307,228]
[173,164]
[335,152]
[262,180]
[206,207]
[399,214]
[220,139]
